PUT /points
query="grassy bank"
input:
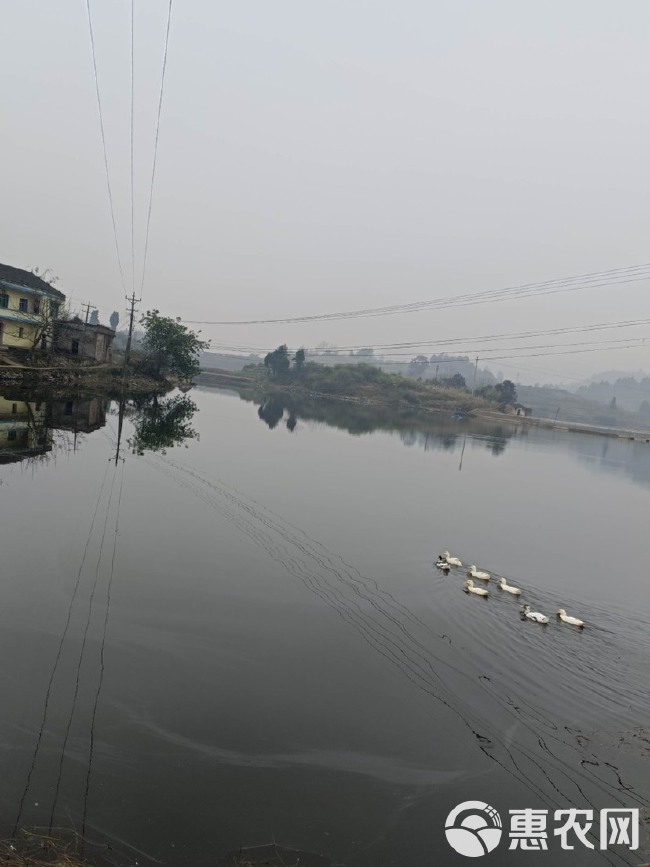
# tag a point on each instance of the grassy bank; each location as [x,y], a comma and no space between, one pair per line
[363,384]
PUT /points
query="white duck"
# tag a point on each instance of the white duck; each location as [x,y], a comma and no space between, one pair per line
[534,615]
[453,561]
[474,573]
[477,591]
[503,584]
[564,617]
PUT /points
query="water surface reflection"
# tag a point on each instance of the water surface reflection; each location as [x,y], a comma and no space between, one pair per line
[245,640]
[446,432]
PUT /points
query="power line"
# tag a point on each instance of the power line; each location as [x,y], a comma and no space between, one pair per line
[568,352]
[132,191]
[101,127]
[565,349]
[394,349]
[155,148]
[615,276]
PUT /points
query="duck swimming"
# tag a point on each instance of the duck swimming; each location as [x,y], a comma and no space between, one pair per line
[477,591]
[474,573]
[443,566]
[453,561]
[573,621]
[503,584]
[534,615]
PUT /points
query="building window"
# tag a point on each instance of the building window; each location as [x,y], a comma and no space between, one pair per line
[21,332]
[67,409]
[4,300]
[74,347]
[11,434]
[14,408]
[54,309]
[37,305]
[23,305]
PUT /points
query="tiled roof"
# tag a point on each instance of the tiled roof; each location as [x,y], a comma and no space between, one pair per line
[25,278]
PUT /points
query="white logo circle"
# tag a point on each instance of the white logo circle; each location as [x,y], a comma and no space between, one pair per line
[473,828]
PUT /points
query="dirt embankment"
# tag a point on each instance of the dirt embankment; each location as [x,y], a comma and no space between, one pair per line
[80,377]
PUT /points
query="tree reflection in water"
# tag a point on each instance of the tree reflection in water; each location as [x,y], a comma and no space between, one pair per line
[271,411]
[428,431]
[160,423]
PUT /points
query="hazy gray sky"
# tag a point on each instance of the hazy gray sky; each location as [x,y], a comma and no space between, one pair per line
[337,155]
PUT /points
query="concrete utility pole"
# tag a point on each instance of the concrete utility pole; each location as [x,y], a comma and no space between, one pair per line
[475,372]
[83,334]
[132,301]
[87,306]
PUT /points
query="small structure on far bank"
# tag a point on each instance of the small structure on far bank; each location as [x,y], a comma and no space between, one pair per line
[516,409]
[82,339]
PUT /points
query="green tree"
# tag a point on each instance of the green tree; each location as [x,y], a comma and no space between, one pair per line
[94,318]
[507,391]
[299,359]
[278,362]
[455,381]
[419,366]
[170,348]
[114,320]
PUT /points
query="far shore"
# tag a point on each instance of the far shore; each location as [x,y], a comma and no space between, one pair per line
[448,401]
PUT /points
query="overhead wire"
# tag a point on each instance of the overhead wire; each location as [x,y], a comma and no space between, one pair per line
[614,276]
[132,145]
[103,137]
[155,148]
[132,126]
[473,350]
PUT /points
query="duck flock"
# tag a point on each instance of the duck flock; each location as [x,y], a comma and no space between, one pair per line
[446,563]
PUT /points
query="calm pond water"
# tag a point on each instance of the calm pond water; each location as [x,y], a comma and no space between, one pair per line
[242,638]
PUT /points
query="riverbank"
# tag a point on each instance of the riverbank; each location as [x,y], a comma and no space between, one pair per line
[361,384]
[411,399]
[44,850]
[70,377]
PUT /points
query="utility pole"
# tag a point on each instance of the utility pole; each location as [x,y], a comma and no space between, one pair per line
[87,306]
[132,301]
[83,334]
[475,372]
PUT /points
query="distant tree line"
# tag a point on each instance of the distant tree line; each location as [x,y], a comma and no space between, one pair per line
[278,362]
[502,393]
[359,378]
[626,392]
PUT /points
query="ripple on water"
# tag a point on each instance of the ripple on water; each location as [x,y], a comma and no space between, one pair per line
[595,677]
